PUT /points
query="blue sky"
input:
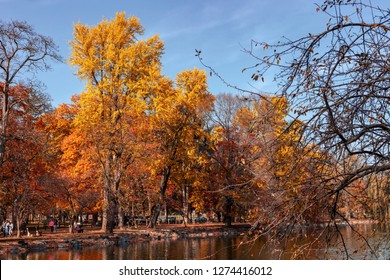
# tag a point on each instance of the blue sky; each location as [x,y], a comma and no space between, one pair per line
[219,28]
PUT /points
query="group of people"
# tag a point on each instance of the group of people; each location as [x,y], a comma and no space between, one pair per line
[7,228]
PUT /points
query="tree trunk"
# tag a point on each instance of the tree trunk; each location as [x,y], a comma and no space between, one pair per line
[165,211]
[163,187]
[228,211]
[18,214]
[155,213]
[105,215]
[108,221]
[150,205]
[185,205]
[120,217]
[111,187]
[18,226]
[348,206]
[4,121]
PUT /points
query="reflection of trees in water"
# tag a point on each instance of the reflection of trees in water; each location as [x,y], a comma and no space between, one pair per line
[325,243]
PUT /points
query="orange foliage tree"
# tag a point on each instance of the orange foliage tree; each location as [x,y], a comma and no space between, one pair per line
[23,175]
[72,163]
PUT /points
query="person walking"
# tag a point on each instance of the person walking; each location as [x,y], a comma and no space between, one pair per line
[51,225]
[24,228]
[6,228]
[10,228]
[55,225]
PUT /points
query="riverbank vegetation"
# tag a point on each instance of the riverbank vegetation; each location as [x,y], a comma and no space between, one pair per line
[136,143]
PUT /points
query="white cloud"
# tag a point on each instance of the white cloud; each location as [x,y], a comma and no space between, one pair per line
[205,16]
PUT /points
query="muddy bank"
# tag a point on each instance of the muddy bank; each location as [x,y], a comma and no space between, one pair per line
[69,241]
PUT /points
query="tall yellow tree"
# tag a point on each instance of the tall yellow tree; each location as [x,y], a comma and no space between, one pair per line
[178,126]
[122,72]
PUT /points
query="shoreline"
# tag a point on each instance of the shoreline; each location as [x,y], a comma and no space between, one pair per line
[68,241]
[94,237]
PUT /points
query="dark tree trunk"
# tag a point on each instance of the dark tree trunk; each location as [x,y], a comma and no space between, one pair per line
[120,218]
[185,205]
[163,187]
[109,205]
[4,121]
[154,217]
[111,188]
[229,211]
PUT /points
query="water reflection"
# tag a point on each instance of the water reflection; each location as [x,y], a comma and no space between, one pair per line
[329,246]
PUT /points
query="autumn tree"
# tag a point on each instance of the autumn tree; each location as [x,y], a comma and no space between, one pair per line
[178,122]
[284,171]
[257,166]
[230,153]
[22,51]
[23,173]
[340,91]
[71,162]
[191,182]
[139,188]
[121,71]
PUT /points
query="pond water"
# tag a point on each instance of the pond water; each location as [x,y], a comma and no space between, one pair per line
[303,246]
